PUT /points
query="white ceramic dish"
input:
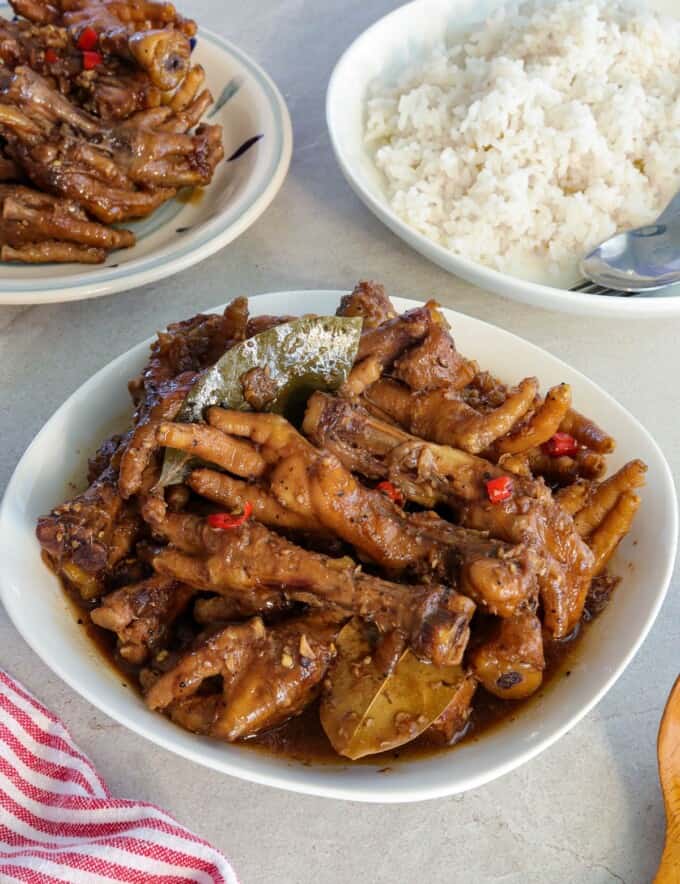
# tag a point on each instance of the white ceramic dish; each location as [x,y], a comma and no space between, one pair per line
[400,39]
[179,234]
[36,604]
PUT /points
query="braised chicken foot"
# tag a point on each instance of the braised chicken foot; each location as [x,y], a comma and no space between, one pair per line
[114,172]
[309,490]
[250,558]
[37,228]
[89,535]
[142,615]
[432,474]
[150,34]
[267,675]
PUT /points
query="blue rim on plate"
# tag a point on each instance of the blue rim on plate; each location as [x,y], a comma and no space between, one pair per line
[207,237]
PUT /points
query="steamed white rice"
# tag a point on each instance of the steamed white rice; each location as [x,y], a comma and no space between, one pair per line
[544,132]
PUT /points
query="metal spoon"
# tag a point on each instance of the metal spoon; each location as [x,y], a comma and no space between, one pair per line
[639,260]
[668,749]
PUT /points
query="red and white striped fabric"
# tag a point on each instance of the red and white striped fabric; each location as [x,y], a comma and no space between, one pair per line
[59,822]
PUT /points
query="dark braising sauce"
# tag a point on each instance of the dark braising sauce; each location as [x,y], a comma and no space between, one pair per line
[191,195]
[303,740]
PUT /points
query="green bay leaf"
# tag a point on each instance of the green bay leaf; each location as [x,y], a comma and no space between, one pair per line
[307,354]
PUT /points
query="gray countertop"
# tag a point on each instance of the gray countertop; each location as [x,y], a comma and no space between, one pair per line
[589,808]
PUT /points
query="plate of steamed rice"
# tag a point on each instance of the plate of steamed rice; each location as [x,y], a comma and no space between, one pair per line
[505,141]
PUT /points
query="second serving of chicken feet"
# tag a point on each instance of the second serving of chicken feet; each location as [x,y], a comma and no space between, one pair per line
[114,172]
[137,70]
[37,228]
[149,33]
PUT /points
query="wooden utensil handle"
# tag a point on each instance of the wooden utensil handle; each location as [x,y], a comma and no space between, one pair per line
[669,773]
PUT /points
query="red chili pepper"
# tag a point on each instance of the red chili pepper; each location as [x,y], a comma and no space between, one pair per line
[87,39]
[392,492]
[91,60]
[561,444]
[226,521]
[499,489]
[51,56]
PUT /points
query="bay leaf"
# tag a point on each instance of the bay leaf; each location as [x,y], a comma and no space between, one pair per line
[307,354]
[366,710]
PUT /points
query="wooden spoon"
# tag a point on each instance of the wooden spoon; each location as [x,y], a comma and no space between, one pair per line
[668,750]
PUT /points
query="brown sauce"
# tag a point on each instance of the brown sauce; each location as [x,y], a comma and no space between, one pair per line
[191,196]
[302,739]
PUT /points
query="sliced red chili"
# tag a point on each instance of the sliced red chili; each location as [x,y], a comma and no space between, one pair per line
[87,39]
[51,56]
[226,521]
[499,489]
[392,492]
[91,60]
[561,444]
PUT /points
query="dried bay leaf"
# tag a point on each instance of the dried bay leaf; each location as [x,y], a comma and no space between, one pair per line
[308,354]
[378,698]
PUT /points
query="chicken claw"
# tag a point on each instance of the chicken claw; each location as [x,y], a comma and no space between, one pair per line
[248,559]
[142,614]
[268,675]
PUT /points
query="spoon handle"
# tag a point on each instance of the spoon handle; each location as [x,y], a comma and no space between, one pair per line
[669,773]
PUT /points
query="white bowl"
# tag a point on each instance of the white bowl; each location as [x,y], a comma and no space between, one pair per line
[181,233]
[394,42]
[35,602]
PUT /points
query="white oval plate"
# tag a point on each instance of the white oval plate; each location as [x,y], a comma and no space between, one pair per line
[248,106]
[35,602]
[391,44]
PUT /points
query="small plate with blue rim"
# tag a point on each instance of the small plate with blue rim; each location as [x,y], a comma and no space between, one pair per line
[258,143]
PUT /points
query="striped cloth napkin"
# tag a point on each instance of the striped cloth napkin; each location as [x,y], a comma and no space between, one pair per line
[59,822]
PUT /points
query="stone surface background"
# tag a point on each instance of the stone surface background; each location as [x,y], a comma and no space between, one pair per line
[588,809]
